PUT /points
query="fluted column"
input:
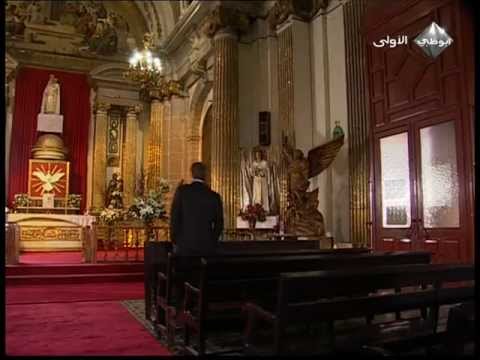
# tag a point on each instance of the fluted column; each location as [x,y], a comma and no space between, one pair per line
[225,175]
[129,166]
[358,124]
[155,135]
[100,156]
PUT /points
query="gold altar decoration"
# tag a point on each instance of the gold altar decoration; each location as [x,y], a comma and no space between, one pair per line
[48,238]
[48,233]
[303,217]
[49,146]
[48,176]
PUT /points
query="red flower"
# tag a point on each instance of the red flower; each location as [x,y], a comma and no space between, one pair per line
[254,212]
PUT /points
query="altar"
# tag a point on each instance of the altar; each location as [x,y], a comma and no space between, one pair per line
[51,232]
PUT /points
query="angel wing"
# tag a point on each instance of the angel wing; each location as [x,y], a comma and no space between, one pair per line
[322,156]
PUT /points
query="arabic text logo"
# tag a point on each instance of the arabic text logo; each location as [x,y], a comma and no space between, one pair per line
[392,42]
[433,40]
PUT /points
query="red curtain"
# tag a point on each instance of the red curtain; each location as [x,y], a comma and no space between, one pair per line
[75,108]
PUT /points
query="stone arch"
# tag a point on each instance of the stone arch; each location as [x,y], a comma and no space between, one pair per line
[159,16]
[200,95]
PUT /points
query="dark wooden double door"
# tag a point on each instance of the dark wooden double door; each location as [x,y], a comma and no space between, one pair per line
[422,130]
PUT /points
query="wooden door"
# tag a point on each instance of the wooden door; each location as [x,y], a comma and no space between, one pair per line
[441,218]
[421,113]
[419,191]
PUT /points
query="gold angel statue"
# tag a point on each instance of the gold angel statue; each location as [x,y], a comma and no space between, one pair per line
[303,217]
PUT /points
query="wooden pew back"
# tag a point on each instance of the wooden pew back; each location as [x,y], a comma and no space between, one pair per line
[305,286]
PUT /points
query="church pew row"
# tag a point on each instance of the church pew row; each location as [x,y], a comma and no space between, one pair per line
[178,268]
[327,296]
[225,285]
[156,256]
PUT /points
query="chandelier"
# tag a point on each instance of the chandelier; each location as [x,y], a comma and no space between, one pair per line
[145,68]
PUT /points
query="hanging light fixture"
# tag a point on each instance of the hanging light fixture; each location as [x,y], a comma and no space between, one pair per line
[145,68]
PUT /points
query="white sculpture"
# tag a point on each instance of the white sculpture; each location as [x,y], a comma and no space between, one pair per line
[259,182]
[51,97]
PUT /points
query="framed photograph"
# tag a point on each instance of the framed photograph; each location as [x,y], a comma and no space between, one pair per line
[48,177]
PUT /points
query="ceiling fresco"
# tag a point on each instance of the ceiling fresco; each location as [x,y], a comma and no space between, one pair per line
[90,29]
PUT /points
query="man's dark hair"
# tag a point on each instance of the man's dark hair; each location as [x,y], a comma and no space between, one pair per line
[199,170]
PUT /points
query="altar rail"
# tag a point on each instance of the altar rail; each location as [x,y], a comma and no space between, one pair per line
[119,243]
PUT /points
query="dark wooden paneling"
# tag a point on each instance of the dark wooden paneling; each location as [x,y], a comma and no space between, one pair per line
[408,90]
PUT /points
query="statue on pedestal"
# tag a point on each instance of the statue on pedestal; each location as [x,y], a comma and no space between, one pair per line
[51,97]
[259,181]
[114,193]
[303,217]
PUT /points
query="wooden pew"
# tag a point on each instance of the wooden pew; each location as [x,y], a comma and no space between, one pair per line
[154,260]
[227,284]
[324,296]
[185,265]
[156,257]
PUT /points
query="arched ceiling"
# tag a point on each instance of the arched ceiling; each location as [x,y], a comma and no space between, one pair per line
[106,30]
[159,16]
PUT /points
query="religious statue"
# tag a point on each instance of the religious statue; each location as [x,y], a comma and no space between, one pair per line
[114,193]
[259,182]
[303,216]
[51,97]
[35,13]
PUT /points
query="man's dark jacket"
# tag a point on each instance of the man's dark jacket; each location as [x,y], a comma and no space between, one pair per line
[196,219]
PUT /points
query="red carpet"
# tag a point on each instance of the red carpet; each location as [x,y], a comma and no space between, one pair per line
[37,294]
[76,257]
[61,257]
[81,328]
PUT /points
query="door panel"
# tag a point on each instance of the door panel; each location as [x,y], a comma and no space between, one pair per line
[418,189]
[441,224]
[395,217]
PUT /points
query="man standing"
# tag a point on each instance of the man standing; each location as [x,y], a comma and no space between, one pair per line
[196,217]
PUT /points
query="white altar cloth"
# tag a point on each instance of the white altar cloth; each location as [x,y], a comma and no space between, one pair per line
[80,220]
[269,223]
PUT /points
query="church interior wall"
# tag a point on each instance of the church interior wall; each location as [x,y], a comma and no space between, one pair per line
[257,84]
[330,106]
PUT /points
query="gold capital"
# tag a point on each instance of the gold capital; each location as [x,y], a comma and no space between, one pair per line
[166,90]
[102,106]
[226,18]
[134,109]
[305,10]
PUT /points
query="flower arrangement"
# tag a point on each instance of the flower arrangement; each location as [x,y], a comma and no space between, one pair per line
[110,215]
[254,213]
[73,200]
[21,200]
[151,207]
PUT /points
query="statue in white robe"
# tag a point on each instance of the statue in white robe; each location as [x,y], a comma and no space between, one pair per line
[51,97]
[259,182]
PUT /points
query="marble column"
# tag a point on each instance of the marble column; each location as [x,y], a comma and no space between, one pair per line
[155,135]
[129,164]
[100,156]
[225,173]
